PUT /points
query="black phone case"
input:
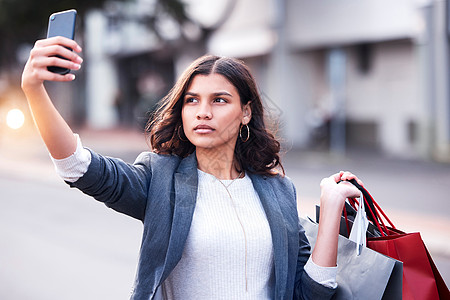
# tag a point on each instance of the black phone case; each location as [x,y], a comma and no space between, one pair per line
[62,24]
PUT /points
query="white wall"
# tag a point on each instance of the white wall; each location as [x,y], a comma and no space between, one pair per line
[330,22]
[247,32]
[101,77]
[389,94]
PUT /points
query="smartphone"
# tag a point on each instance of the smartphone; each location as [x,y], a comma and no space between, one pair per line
[62,24]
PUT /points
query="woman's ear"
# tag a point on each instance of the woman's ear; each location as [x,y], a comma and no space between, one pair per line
[247,113]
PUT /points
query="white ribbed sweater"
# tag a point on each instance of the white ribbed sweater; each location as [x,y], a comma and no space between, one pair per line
[214,265]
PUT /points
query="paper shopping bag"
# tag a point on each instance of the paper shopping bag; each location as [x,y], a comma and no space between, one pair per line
[421,279]
[370,275]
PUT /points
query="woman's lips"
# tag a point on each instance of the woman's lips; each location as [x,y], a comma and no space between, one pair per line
[203,129]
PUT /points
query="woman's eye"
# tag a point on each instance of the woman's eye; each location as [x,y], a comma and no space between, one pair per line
[220,100]
[190,100]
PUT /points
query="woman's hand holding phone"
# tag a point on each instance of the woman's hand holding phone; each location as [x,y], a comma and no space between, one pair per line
[57,53]
[54,130]
[44,54]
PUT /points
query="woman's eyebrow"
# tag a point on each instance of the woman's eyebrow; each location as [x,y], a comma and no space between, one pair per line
[191,94]
[220,93]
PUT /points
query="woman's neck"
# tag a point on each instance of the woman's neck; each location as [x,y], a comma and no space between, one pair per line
[220,164]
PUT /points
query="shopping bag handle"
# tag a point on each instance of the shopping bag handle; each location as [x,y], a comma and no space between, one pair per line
[368,201]
[376,214]
[368,197]
[373,216]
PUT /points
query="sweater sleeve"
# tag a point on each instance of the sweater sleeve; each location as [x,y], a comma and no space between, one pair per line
[323,275]
[76,165]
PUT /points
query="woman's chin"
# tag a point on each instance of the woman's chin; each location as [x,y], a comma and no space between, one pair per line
[207,143]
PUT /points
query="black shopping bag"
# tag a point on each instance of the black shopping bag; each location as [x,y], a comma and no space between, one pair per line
[347,224]
[370,275]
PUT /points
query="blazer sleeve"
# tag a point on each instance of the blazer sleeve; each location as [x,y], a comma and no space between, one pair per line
[121,186]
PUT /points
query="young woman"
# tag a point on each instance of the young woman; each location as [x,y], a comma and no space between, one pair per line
[219,216]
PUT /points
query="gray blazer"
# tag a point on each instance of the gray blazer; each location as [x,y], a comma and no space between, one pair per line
[161,191]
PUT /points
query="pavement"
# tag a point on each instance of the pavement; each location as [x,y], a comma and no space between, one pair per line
[413,193]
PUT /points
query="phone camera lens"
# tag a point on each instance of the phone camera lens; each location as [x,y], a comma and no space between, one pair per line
[52,18]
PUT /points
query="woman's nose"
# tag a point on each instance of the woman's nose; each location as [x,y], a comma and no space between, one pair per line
[204,112]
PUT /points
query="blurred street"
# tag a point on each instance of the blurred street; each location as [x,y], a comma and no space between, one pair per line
[56,243]
[328,71]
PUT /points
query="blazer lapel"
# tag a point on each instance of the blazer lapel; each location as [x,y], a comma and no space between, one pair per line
[185,187]
[278,230]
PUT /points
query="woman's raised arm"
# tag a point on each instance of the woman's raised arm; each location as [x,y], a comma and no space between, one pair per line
[56,133]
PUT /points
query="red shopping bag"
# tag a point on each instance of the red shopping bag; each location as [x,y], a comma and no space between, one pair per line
[421,279]
[418,278]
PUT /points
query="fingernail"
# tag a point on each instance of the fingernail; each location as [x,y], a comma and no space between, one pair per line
[71,76]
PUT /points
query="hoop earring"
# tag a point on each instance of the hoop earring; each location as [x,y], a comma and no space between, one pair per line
[248,133]
[178,133]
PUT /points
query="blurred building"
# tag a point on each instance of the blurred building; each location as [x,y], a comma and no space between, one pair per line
[344,74]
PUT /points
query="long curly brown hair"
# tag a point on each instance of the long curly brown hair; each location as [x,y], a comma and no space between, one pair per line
[260,154]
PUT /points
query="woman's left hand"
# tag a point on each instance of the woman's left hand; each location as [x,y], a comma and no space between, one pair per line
[335,189]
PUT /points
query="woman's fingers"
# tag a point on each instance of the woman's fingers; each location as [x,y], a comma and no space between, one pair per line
[41,73]
[56,61]
[43,62]
[348,189]
[51,52]
[57,46]
[345,176]
[337,184]
[336,177]
[58,40]
[50,76]
[55,50]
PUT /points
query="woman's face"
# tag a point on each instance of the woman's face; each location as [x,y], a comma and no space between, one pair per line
[212,112]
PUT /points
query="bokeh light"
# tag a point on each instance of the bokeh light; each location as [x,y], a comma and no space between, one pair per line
[15,118]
